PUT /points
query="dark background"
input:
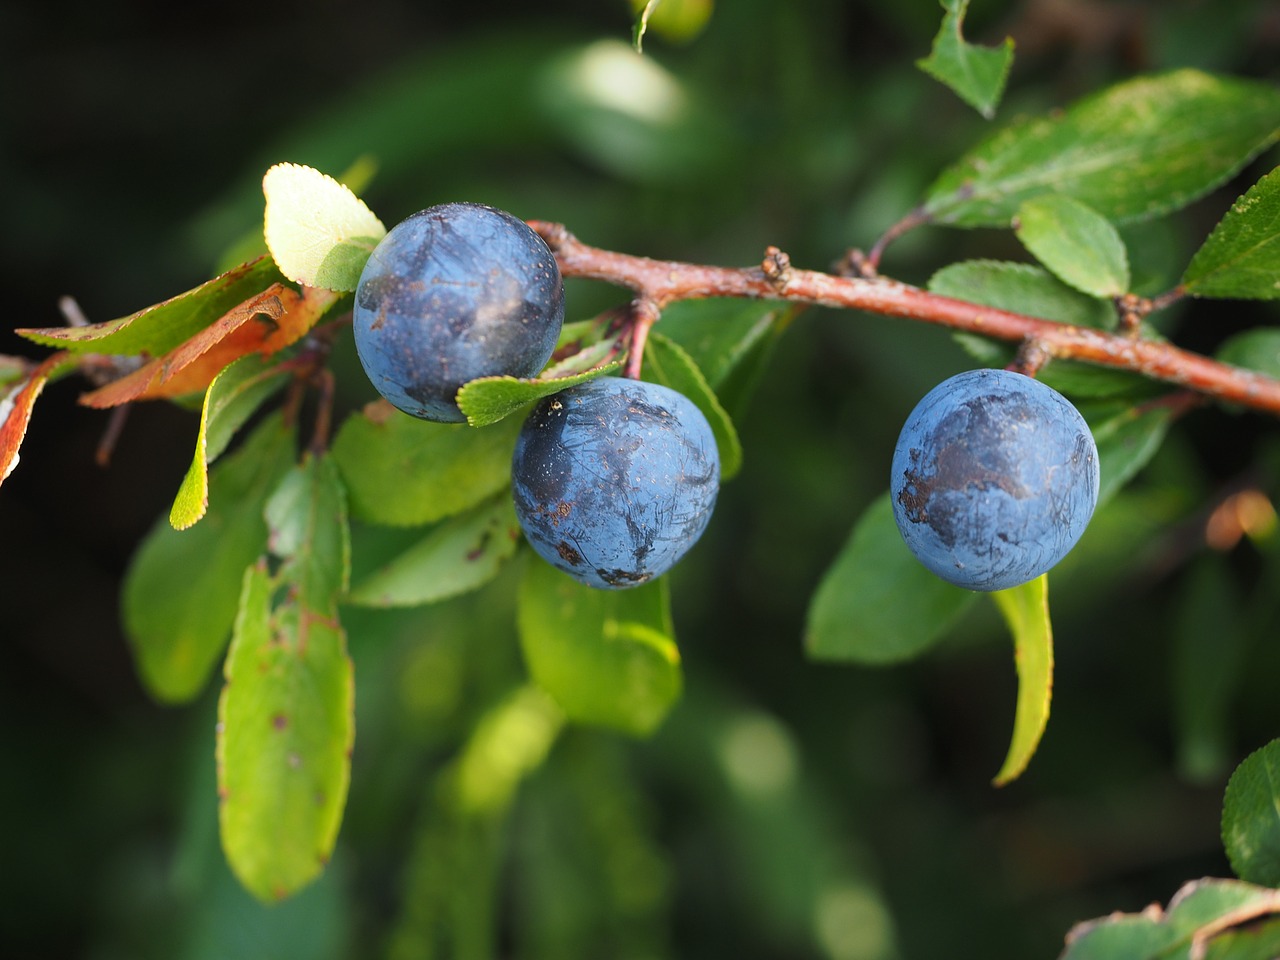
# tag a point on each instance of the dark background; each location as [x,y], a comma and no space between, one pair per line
[134,139]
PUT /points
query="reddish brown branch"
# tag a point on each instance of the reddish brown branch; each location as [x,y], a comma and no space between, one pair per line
[664,282]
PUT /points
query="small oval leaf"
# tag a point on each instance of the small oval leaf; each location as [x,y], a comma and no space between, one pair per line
[1076,243]
[1251,817]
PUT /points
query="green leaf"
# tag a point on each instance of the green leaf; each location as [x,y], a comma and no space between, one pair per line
[1026,611]
[1251,817]
[877,603]
[233,396]
[1028,289]
[490,399]
[181,591]
[1133,151]
[285,731]
[722,335]
[461,554]
[401,471]
[1241,258]
[1126,442]
[1022,288]
[1076,243]
[1206,918]
[668,364]
[1257,349]
[307,519]
[977,74]
[606,657]
[157,329]
[1208,654]
[320,234]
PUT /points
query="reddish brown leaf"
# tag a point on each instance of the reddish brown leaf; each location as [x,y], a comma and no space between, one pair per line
[280,316]
[16,409]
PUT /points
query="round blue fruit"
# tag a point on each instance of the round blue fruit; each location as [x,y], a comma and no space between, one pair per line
[995,477]
[452,293]
[614,480]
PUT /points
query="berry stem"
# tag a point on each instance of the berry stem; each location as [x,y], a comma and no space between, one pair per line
[664,282]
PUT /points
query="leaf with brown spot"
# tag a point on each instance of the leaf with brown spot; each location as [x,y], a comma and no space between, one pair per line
[192,365]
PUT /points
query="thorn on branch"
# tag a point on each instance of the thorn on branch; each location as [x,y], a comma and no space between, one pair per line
[776,268]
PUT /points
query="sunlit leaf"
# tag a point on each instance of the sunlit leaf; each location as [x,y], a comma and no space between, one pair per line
[319,233]
[1135,150]
[401,471]
[667,363]
[1251,817]
[157,329]
[490,399]
[877,603]
[1241,258]
[230,400]
[461,554]
[606,657]
[1077,244]
[181,591]
[1026,612]
[976,74]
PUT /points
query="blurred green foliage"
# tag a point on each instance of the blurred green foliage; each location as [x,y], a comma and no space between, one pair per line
[786,808]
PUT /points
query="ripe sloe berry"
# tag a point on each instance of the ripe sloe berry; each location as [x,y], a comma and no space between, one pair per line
[994,479]
[614,480]
[455,292]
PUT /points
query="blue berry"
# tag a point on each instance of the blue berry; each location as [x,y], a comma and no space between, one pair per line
[614,480]
[452,293]
[994,479]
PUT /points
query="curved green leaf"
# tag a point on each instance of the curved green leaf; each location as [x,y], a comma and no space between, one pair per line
[1026,611]
[1136,150]
[232,398]
[489,399]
